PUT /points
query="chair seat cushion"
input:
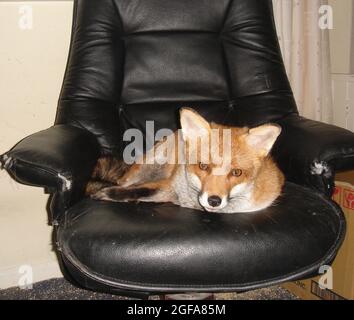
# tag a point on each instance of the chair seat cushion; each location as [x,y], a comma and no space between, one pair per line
[162,247]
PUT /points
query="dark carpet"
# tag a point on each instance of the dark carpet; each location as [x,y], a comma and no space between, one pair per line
[60,289]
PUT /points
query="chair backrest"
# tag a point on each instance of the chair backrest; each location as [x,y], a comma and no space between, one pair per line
[137,60]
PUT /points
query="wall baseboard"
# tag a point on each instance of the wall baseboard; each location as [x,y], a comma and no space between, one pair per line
[41,270]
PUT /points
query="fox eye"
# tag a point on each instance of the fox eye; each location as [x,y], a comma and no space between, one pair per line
[203,166]
[236,172]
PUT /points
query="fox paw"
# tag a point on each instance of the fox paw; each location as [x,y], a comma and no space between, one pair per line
[110,194]
[101,195]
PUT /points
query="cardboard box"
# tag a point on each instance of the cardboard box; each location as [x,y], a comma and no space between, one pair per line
[343,266]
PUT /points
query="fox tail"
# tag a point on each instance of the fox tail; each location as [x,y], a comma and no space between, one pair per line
[106,174]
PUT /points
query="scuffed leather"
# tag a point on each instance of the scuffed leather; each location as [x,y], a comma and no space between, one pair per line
[59,159]
[136,60]
[162,247]
[310,152]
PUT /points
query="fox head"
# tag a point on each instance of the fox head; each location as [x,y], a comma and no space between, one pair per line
[224,164]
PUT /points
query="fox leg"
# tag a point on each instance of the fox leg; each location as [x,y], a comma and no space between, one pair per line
[110,171]
[107,172]
[157,191]
[131,176]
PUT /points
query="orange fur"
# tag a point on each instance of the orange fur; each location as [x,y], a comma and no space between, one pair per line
[249,181]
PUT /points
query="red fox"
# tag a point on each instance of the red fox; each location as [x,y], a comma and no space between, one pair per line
[245,179]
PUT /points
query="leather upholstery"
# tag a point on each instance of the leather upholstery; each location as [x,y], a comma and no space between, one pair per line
[163,247]
[59,159]
[138,60]
[311,152]
[138,52]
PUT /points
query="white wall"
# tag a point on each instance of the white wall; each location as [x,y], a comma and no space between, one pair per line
[32,63]
[341,37]
[342,60]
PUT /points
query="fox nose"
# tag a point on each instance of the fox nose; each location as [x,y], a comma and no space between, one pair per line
[214,201]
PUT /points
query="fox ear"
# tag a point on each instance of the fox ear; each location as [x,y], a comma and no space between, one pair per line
[193,125]
[262,138]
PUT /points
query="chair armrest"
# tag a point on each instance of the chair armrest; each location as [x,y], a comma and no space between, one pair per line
[310,152]
[59,158]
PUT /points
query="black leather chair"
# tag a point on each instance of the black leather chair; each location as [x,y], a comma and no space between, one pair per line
[137,60]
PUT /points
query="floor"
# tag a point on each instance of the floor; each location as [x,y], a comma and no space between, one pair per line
[60,289]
